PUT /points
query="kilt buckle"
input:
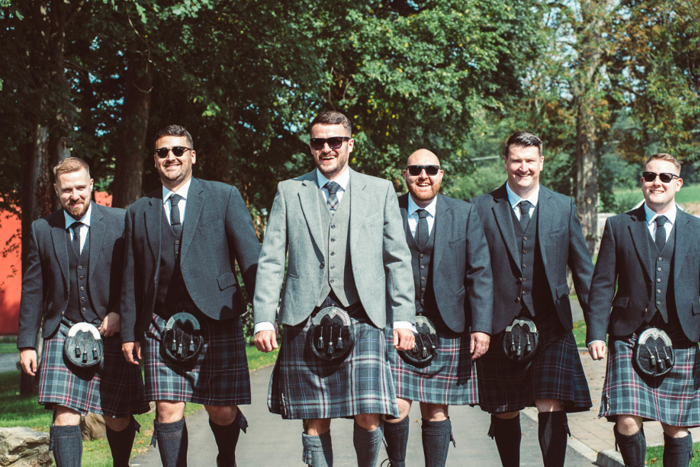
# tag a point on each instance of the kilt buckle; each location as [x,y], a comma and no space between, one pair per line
[426,346]
[653,353]
[520,340]
[182,339]
[84,347]
[330,335]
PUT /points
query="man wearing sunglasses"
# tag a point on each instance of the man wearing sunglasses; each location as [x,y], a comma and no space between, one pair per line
[182,243]
[648,272]
[533,235]
[454,290]
[342,235]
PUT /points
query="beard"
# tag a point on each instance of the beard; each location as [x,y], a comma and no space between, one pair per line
[77,212]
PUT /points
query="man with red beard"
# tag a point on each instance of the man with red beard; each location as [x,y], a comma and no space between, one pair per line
[74,266]
[453,290]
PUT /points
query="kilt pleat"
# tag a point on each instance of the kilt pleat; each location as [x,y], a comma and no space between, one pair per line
[303,386]
[115,391]
[219,376]
[673,399]
[450,379]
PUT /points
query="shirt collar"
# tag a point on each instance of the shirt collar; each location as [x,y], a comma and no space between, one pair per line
[515,199]
[413,207]
[184,189]
[341,179]
[670,215]
[85,219]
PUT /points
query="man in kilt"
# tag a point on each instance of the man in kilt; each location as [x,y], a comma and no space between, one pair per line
[341,231]
[652,256]
[73,275]
[454,290]
[533,235]
[182,243]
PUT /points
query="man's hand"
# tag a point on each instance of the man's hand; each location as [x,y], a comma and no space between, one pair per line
[479,344]
[128,349]
[597,350]
[110,325]
[27,359]
[404,339]
[266,341]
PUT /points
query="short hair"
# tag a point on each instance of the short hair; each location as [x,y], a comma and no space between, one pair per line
[332,117]
[174,130]
[662,156]
[68,165]
[523,139]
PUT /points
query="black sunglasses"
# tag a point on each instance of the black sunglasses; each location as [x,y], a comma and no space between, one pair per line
[178,151]
[415,170]
[665,177]
[334,142]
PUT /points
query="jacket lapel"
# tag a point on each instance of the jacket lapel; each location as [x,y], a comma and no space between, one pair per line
[58,235]
[502,210]
[195,203]
[443,219]
[96,235]
[545,220]
[358,205]
[682,242]
[310,207]
[152,217]
[639,230]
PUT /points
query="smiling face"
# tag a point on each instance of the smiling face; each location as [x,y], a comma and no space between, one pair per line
[660,196]
[74,190]
[524,165]
[331,162]
[174,171]
[423,187]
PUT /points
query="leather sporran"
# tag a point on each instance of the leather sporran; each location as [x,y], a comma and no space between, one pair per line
[182,338]
[426,347]
[653,353]
[331,335]
[84,348]
[520,340]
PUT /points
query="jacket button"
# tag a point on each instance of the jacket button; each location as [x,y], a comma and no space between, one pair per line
[658,269]
[658,303]
[658,280]
[517,299]
[658,290]
[524,238]
[524,252]
[660,258]
[323,265]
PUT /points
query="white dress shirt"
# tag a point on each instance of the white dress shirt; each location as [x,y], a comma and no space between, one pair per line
[651,220]
[83,230]
[515,201]
[182,204]
[413,215]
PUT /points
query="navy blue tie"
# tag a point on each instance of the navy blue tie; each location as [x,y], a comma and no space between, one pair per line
[660,238]
[524,213]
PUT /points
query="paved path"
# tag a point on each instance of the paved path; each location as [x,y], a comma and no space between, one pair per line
[8,362]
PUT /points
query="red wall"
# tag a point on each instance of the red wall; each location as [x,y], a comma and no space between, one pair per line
[11,267]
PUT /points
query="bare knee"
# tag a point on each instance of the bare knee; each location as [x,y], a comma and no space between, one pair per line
[170,411]
[507,415]
[433,412]
[548,405]
[628,424]
[317,427]
[675,431]
[404,409]
[368,421]
[117,424]
[65,416]
[222,415]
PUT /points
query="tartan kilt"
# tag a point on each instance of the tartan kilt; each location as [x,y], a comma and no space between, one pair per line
[450,379]
[672,399]
[115,391]
[219,376]
[555,373]
[303,386]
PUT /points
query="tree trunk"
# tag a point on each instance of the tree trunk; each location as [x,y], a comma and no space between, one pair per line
[128,169]
[586,190]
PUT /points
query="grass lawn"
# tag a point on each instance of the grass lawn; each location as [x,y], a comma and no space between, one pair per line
[25,411]
[655,455]
[8,344]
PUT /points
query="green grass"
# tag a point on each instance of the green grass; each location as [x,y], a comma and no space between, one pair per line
[688,194]
[580,333]
[655,456]
[26,411]
[8,344]
[626,199]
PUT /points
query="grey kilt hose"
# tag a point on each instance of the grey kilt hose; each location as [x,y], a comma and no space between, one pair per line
[303,386]
[218,377]
[555,373]
[672,399]
[450,379]
[115,391]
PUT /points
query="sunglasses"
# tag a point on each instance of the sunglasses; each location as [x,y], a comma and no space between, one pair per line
[665,177]
[178,151]
[334,142]
[416,170]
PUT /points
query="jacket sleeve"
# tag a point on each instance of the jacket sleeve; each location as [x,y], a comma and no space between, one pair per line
[479,276]
[243,243]
[602,287]
[131,284]
[31,307]
[579,260]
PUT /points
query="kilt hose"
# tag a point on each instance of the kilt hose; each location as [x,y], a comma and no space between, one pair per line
[555,373]
[115,391]
[218,376]
[450,379]
[672,399]
[305,387]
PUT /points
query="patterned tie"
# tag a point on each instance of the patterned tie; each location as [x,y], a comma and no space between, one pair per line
[175,221]
[524,214]
[332,188]
[660,238]
[422,231]
[76,236]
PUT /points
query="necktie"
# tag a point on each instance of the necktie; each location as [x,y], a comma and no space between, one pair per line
[422,231]
[524,213]
[332,188]
[660,238]
[76,236]
[175,221]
